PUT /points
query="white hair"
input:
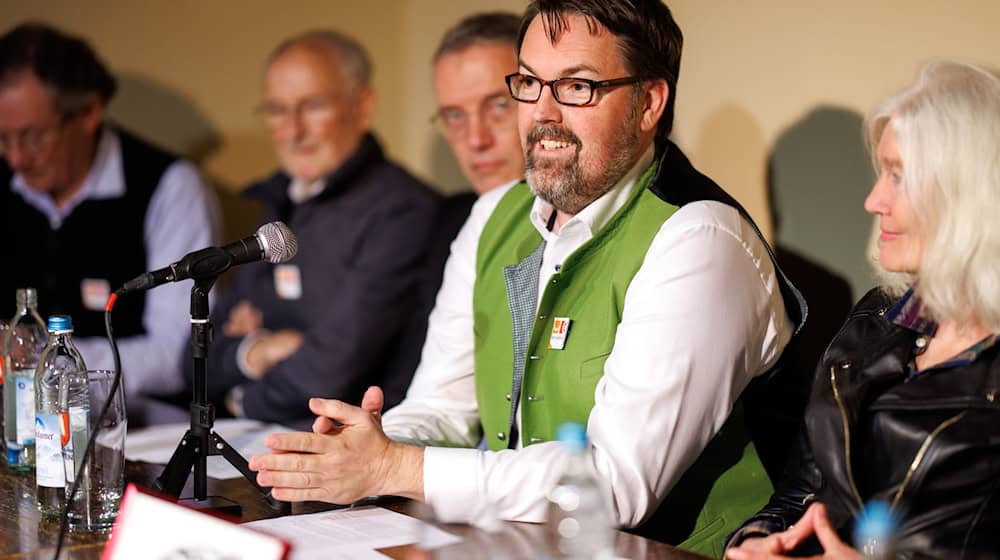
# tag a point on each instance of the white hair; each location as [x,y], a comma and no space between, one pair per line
[947,127]
[347,54]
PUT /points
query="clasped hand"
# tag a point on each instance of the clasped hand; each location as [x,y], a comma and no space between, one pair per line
[345,458]
[779,545]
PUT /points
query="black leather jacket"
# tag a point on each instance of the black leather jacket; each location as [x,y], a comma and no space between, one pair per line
[929,445]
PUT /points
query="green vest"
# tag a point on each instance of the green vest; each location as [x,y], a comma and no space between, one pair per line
[725,486]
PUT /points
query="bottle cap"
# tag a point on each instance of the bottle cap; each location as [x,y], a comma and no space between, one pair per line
[875,525]
[572,436]
[27,297]
[60,323]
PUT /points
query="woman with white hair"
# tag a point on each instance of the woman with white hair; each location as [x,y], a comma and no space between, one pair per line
[905,408]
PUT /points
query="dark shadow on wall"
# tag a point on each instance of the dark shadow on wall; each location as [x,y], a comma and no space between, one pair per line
[171,120]
[818,176]
[774,404]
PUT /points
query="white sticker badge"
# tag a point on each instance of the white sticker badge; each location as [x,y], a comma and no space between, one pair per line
[288,281]
[560,329]
[94,293]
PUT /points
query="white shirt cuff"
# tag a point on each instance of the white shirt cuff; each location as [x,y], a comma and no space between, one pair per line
[241,355]
[451,483]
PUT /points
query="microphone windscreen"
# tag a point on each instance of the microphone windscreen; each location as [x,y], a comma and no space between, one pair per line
[278,241]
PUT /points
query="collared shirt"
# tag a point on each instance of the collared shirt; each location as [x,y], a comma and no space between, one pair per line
[703,315]
[181,218]
[300,190]
[908,313]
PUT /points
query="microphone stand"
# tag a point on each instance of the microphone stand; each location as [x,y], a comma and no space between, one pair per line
[200,441]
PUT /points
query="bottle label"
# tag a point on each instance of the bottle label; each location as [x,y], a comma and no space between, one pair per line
[48,451]
[74,437]
[24,403]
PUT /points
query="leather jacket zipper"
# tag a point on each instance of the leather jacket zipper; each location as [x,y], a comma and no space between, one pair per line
[847,435]
[917,459]
[921,453]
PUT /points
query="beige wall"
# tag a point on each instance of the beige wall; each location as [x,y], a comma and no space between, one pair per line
[779,79]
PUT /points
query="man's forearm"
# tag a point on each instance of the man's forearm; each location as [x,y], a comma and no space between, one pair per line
[403,471]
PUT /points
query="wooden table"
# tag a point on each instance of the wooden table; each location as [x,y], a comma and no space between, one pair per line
[25,535]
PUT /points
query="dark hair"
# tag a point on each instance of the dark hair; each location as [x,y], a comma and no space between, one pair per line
[649,39]
[65,64]
[351,57]
[491,27]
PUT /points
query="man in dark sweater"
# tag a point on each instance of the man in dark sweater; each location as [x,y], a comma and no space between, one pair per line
[330,321]
[85,206]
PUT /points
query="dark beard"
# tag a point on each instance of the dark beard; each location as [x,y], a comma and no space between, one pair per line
[563,185]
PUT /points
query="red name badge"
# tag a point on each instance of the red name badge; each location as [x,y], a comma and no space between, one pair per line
[151,527]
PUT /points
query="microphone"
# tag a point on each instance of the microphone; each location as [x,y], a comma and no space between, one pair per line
[273,242]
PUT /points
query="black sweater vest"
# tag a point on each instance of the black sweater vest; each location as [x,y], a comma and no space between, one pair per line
[102,240]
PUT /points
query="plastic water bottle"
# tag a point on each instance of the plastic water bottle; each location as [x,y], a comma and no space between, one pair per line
[60,358]
[23,343]
[578,509]
[874,530]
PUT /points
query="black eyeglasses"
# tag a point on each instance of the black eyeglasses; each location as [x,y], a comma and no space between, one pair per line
[567,91]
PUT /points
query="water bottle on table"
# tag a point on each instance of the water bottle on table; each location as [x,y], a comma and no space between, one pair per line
[22,344]
[59,359]
[578,509]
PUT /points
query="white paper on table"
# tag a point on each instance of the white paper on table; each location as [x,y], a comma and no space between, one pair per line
[351,533]
[157,443]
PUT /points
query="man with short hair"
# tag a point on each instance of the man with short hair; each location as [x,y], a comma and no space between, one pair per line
[327,322]
[86,206]
[478,119]
[475,112]
[617,288]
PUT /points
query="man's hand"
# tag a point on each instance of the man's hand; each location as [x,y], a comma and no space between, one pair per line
[271,348]
[372,402]
[778,545]
[343,463]
[243,319]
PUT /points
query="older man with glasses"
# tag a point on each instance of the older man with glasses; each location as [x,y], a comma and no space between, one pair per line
[329,322]
[617,287]
[86,205]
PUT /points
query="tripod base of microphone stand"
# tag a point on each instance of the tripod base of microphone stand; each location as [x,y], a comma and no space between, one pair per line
[216,504]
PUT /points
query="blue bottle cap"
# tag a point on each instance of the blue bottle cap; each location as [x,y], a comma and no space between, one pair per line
[573,437]
[876,523]
[59,323]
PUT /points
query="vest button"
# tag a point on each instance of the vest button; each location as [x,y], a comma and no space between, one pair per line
[534,398]
[501,436]
[541,317]
[507,396]
[535,440]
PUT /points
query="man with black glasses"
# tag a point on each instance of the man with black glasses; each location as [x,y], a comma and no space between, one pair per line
[617,287]
[85,206]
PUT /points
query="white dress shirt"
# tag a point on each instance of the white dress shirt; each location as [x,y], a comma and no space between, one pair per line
[181,217]
[703,315]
